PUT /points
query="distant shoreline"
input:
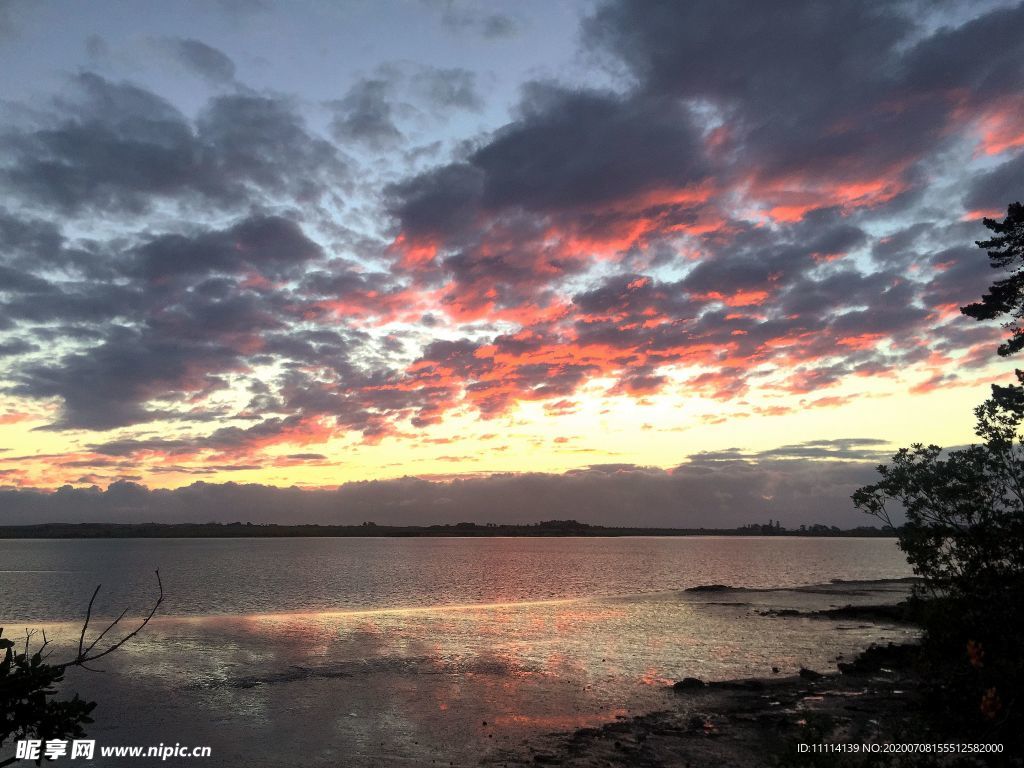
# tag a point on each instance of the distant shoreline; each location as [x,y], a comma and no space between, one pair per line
[558,528]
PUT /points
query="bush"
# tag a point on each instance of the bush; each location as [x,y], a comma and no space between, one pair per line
[964,536]
[28,683]
[27,707]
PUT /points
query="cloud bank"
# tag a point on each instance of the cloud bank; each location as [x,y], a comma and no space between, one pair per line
[711,490]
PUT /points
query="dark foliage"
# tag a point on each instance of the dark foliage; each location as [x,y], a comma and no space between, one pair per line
[1006,296]
[29,683]
[27,707]
[964,536]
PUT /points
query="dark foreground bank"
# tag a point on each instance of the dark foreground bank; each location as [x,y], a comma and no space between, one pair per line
[745,723]
[871,710]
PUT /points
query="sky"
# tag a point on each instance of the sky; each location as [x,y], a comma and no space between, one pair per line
[681,262]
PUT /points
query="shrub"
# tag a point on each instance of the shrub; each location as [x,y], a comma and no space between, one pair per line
[29,683]
[964,535]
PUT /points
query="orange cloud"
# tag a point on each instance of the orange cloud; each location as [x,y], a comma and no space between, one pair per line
[1002,128]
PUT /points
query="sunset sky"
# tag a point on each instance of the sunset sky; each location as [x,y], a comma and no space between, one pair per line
[309,243]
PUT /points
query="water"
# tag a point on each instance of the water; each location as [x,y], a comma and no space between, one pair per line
[46,580]
[396,651]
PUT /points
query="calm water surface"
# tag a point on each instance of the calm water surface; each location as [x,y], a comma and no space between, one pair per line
[418,652]
[43,580]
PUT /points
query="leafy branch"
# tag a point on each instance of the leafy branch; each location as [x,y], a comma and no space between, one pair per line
[28,682]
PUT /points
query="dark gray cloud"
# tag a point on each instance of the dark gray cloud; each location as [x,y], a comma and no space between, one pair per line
[849,448]
[96,47]
[993,191]
[240,9]
[448,88]
[568,150]
[270,246]
[851,91]
[108,386]
[183,321]
[119,148]
[980,58]
[699,493]
[9,16]
[503,219]
[578,148]
[200,58]
[366,114]
[461,16]
[962,275]
[129,446]
[681,47]
[262,142]
[12,347]
[443,200]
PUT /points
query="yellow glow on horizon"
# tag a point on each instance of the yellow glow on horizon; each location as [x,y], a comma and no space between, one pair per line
[660,430]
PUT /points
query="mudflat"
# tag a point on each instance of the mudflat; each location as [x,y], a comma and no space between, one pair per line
[753,722]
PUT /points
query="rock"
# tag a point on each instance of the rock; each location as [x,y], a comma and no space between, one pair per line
[709,588]
[900,613]
[879,657]
[780,612]
[689,684]
[752,684]
[810,674]
[775,670]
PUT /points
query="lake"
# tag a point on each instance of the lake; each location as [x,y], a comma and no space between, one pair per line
[398,651]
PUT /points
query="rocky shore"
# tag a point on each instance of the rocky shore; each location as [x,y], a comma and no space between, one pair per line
[746,723]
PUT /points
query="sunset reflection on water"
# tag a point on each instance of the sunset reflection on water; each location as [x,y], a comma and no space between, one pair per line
[409,683]
[380,652]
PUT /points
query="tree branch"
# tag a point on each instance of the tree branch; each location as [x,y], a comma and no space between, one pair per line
[83,656]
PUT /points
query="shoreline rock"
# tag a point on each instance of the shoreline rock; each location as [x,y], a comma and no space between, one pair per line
[748,722]
[689,684]
[891,613]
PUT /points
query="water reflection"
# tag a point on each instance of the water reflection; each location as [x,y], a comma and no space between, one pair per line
[451,684]
[52,579]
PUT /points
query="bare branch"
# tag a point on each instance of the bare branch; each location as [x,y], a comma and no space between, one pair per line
[42,648]
[83,658]
[110,626]
[88,615]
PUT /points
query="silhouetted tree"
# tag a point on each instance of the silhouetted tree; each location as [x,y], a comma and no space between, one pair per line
[28,682]
[1005,296]
[964,533]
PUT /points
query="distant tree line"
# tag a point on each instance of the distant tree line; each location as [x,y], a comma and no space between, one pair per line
[775,528]
[369,528]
